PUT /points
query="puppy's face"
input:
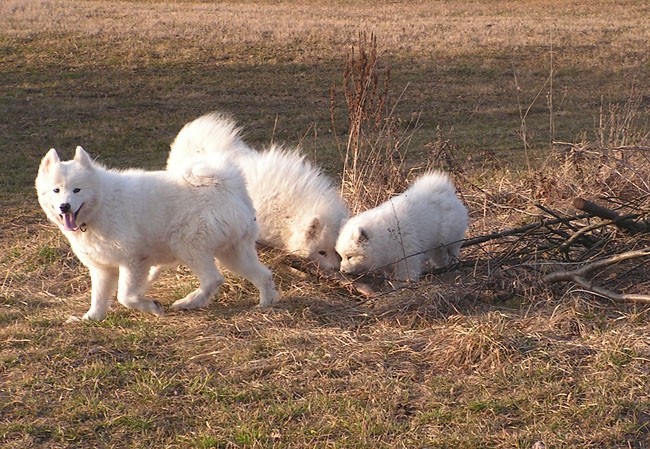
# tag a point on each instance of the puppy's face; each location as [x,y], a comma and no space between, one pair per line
[355,249]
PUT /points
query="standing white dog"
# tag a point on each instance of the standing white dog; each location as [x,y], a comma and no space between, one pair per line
[425,223]
[298,208]
[120,224]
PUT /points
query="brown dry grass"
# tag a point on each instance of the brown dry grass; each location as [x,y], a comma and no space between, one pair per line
[481,356]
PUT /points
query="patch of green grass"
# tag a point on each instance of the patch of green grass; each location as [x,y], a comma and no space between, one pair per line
[131,424]
[48,255]
[210,442]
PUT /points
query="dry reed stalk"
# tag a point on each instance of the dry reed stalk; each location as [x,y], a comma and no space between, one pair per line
[623,125]
[374,157]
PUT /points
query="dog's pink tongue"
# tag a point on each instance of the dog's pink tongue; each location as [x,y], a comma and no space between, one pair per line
[69,224]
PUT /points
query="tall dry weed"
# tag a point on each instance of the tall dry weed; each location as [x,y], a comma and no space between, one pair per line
[374,156]
[623,125]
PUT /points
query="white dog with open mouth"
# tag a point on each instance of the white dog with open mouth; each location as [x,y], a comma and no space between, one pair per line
[120,224]
[426,223]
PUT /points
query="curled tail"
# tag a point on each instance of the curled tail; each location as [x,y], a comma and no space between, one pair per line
[434,181]
[213,135]
[199,172]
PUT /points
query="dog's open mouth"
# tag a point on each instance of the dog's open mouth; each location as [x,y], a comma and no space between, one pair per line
[70,220]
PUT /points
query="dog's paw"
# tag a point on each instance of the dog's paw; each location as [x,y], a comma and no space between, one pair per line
[93,316]
[269,294]
[269,300]
[159,310]
[72,319]
[195,300]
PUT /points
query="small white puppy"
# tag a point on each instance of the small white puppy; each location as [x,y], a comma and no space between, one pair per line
[426,223]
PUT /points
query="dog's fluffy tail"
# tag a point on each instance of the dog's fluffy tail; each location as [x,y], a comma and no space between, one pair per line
[434,181]
[213,135]
[200,172]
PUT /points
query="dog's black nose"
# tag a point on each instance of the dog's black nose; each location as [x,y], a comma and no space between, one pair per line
[64,207]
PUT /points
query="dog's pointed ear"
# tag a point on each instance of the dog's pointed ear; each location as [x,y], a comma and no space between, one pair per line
[314,229]
[50,159]
[82,158]
[362,235]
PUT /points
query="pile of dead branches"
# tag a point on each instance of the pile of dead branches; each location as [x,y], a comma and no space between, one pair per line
[584,225]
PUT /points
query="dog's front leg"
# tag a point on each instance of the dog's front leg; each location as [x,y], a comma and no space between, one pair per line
[132,286]
[104,285]
[405,270]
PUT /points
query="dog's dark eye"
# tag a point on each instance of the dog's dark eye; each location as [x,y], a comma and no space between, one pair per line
[322,253]
[77,190]
[57,190]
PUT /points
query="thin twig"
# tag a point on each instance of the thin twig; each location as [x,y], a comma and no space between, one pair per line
[521,230]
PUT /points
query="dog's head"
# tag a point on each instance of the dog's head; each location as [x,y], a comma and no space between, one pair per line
[355,248]
[66,190]
[315,240]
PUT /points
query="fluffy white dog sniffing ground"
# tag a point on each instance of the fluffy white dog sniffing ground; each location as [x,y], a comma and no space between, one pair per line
[120,224]
[298,208]
[426,223]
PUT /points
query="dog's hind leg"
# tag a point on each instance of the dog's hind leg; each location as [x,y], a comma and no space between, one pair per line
[104,285]
[131,289]
[242,260]
[154,274]
[209,282]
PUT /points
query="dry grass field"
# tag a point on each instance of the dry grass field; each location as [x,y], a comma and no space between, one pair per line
[529,104]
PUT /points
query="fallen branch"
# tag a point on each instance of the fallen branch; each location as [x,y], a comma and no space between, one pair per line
[625,223]
[580,233]
[521,230]
[577,276]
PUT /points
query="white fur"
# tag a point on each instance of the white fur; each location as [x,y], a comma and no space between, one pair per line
[425,223]
[298,208]
[210,134]
[120,224]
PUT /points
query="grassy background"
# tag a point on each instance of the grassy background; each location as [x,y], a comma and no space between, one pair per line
[454,362]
